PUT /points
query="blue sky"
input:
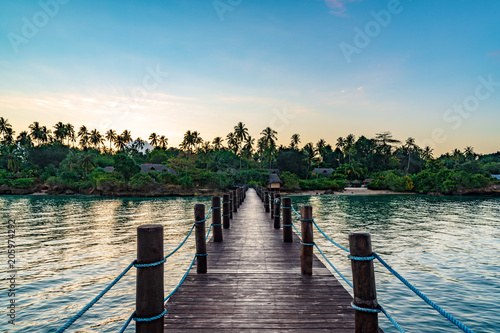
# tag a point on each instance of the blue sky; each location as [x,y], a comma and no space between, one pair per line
[172,66]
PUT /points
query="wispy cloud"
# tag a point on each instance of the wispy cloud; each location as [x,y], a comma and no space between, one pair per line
[495,53]
[338,7]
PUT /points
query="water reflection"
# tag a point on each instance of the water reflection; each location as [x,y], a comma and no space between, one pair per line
[69,248]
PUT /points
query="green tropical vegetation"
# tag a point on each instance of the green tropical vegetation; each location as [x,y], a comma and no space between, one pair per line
[63,157]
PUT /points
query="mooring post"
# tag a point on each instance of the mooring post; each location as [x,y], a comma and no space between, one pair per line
[216,220]
[149,280]
[266,201]
[277,211]
[363,280]
[235,202]
[287,220]
[306,251]
[225,211]
[271,204]
[201,245]
[230,204]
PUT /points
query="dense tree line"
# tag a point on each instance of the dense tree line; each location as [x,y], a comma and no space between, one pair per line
[63,155]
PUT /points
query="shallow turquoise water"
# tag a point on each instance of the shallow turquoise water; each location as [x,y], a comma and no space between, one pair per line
[70,248]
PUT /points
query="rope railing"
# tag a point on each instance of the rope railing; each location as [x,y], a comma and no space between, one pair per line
[445,314]
[135,264]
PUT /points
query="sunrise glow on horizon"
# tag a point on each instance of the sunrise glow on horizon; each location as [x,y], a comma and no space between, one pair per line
[322,69]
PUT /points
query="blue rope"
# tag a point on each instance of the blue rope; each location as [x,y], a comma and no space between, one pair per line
[360,258]
[225,215]
[331,240]
[215,207]
[182,280]
[276,215]
[97,298]
[201,254]
[208,233]
[336,270]
[306,220]
[151,265]
[152,318]
[391,319]
[182,243]
[286,207]
[217,224]
[200,221]
[127,322]
[365,309]
[422,296]
[309,244]
[295,212]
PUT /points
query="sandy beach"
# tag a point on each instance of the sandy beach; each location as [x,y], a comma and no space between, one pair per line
[348,191]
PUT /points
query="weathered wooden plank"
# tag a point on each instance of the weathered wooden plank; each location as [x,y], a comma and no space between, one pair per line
[254,283]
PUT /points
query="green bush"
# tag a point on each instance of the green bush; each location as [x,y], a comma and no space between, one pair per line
[187,182]
[23,182]
[290,180]
[140,180]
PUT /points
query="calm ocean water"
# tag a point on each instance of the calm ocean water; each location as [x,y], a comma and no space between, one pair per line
[69,248]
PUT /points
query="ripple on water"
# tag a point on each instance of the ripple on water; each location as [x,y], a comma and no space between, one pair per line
[70,248]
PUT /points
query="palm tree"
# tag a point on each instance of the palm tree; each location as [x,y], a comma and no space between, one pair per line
[197,140]
[349,145]
[217,143]
[247,149]
[96,139]
[269,137]
[163,142]
[120,142]
[60,131]
[427,153]
[4,126]
[126,136]
[8,136]
[457,155]
[188,141]
[232,143]
[36,132]
[310,153]
[321,148]
[111,137]
[385,141]
[240,134]
[294,144]
[12,154]
[469,153]
[83,134]
[153,139]
[24,139]
[87,162]
[45,134]
[409,147]
[70,133]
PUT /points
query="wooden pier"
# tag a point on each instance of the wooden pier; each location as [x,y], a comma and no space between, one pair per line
[254,283]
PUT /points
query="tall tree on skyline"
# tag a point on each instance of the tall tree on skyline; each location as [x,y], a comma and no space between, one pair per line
[111,137]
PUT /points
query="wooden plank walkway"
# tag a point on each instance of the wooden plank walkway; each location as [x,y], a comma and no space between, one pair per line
[254,284]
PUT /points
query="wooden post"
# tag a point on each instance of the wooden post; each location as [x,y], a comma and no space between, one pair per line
[235,202]
[225,211]
[266,201]
[216,221]
[277,211]
[306,251]
[271,204]
[149,280]
[201,245]
[287,220]
[363,280]
[230,204]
